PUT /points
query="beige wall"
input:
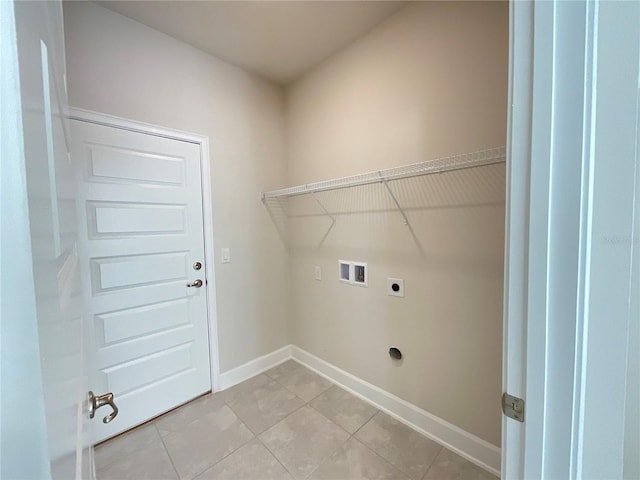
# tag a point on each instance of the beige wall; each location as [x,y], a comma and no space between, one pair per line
[120,67]
[429,82]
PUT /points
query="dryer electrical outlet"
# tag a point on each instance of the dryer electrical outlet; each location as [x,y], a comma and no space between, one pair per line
[395,287]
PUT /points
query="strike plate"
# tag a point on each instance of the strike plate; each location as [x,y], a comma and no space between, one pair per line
[513,407]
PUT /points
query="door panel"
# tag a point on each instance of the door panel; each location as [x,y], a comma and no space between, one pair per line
[114,273]
[124,219]
[121,165]
[141,231]
[130,323]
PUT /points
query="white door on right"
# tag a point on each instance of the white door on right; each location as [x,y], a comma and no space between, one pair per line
[141,244]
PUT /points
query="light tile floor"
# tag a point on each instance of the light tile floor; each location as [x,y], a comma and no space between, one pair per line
[287,423]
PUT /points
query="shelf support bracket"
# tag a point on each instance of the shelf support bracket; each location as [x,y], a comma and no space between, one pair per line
[395,200]
[274,217]
[326,212]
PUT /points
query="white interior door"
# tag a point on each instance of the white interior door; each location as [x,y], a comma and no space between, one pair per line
[141,236]
[43,388]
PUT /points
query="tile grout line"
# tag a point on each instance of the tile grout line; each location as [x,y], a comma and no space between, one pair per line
[351,435]
[373,451]
[331,455]
[380,456]
[440,449]
[334,423]
[305,404]
[164,445]
[139,449]
[221,459]
[227,455]
[432,463]
[235,449]
[256,436]
[341,387]
[281,420]
[274,456]
[289,390]
[368,421]
[271,426]
[386,460]
[299,366]
[327,418]
[308,403]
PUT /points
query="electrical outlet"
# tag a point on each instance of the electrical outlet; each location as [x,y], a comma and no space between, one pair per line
[395,287]
[226,255]
[317,273]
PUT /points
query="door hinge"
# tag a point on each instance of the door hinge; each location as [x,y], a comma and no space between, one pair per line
[513,407]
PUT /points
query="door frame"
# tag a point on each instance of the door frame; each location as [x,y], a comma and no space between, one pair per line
[547,209]
[573,67]
[207,210]
[516,266]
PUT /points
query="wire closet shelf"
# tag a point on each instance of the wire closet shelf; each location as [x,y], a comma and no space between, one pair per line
[441,165]
[276,200]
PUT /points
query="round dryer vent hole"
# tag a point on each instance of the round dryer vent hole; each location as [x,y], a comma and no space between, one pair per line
[395,353]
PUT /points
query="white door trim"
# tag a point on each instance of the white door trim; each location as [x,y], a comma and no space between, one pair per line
[207,210]
[569,285]
[516,265]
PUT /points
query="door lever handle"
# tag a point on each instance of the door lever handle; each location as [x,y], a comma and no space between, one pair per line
[100,401]
[197,284]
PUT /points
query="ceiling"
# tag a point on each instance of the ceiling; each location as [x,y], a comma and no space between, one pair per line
[279,40]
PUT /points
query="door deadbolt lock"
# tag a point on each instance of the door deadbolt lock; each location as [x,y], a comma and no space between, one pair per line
[197,266]
[100,401]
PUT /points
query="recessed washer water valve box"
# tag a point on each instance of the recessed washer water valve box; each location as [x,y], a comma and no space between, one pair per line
[360,274]
[353,273]
[395,287]
[344,271]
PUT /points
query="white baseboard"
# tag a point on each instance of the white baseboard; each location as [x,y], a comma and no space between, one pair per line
[254,367]
[465,444]
[471,447]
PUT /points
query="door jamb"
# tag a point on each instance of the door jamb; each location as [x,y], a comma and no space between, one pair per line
[97,118]
[516,272]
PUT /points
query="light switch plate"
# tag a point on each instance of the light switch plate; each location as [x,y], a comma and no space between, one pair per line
[317,272]
[226,255]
